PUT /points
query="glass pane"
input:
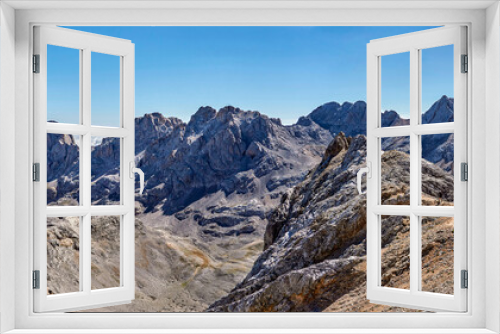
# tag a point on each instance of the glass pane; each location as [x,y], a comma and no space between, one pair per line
[63,168]
[395,171]
[395,89]
[63,84]
[105,252]
[437,84]
[63,255]
[437,169]
[105,188]
[395,255]
[105,90]
[437,254]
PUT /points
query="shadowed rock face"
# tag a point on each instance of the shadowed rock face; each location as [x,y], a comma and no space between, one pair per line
[315,239]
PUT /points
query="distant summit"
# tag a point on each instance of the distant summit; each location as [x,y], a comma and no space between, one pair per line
[441,111]
[350,118]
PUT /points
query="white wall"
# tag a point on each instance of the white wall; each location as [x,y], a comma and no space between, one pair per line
[7,160]
[493,162]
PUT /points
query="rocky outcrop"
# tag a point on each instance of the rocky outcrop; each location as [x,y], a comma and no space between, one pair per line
[315,240]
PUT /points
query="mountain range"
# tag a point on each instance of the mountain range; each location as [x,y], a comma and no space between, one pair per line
[187,161]
[215,187]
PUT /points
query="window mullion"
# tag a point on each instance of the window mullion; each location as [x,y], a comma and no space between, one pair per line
[85,179]
[414,170]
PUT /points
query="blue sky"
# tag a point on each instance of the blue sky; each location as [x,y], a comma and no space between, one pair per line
[283,72]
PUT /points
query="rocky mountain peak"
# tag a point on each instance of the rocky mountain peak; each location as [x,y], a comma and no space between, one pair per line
[349,118]
[229,113]
[360,104]
[441,111]
[202,116]
[392,118]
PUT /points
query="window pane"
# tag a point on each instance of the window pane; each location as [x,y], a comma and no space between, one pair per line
[437,84]
[437,254]
[395,89]
[63,84]
[63,168]
[395,171]
[437,169]
[105,252]
[63,255]
[105,189]
[395,254]
[105,90]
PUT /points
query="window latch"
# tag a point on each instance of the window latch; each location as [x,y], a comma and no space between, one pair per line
[365,170]
[133,170]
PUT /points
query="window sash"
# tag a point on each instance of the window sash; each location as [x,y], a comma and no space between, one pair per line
[86,297]
[413,43]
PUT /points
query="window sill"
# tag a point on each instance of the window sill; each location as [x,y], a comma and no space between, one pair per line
[250,331]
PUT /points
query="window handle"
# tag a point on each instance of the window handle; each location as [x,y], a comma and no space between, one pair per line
[133,171]
[364,170]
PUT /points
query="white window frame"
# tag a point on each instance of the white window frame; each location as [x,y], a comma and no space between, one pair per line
[483,314]
[413,44]
[86,44]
